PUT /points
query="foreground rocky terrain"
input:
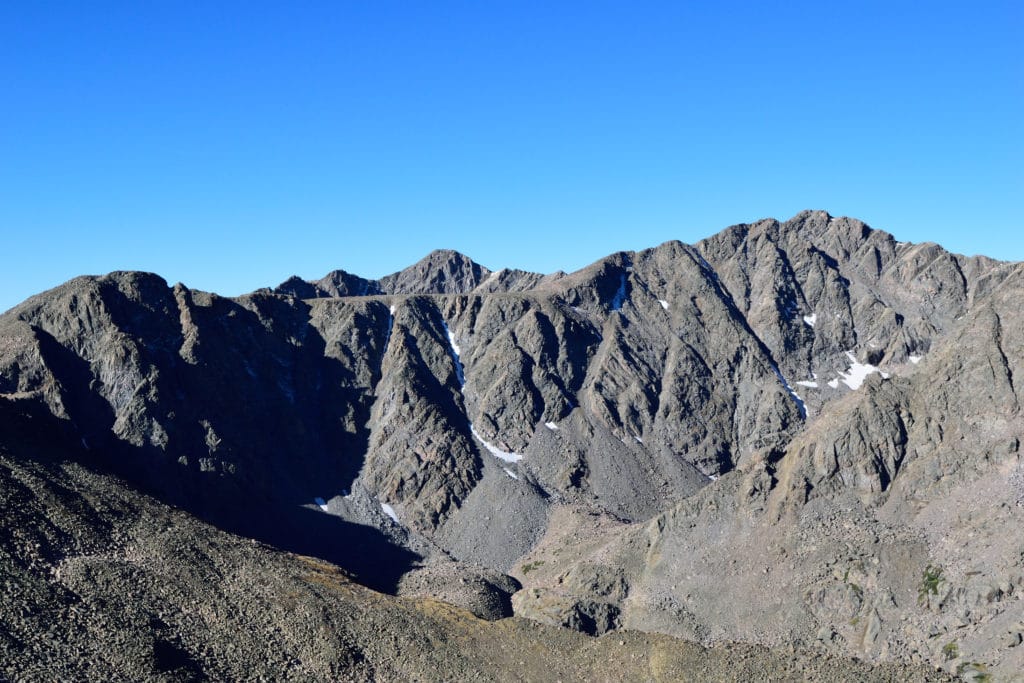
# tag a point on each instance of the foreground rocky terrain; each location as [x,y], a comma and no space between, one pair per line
[103,583]
[792,443]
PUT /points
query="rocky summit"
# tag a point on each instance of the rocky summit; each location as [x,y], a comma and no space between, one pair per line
[791,451]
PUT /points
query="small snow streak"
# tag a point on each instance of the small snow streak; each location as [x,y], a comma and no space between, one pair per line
[807,383]
[811,319]
[390,512]
[456,353]
[916,359]
[321,503]
[664,304]
[494,450]
[510,473]
[391,324]
[552,426]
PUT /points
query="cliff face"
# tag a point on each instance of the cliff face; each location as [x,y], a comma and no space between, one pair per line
[635,427]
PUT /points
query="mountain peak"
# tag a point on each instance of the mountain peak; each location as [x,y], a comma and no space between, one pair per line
[442,271]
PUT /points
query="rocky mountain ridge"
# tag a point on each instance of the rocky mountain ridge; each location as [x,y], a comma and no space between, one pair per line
[623,440]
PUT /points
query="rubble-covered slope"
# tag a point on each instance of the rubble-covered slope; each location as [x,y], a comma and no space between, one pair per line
[101,582]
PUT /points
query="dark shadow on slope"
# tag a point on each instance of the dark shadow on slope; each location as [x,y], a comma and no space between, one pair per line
[28,431]
[363,551]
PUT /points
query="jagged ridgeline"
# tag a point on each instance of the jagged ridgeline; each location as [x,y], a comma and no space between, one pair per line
[757,437]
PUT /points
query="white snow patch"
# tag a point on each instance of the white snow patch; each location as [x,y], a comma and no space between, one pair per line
[552,426]
[321,503]
[834,383]
[713,477]
[811,319]
[391,324]
[806,383]
[456,353]
[495,451]
[452,342]
[620,295]
[664,304]
[916,359]
[856,374]
[638,439]
[510,473]
[390,512]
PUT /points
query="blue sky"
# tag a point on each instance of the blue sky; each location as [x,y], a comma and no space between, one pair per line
[230,145]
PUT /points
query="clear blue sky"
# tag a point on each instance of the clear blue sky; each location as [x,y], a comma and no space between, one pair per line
[230,145]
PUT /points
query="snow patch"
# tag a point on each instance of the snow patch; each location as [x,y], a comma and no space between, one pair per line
[916,359]
[856,374]
[510,473]
[494,450]
[390,512]
[321,503]
[552,426]
[452,342]
[808,383]
[456,355]
[664,304]
[713,477]
[638,439]
[811,319]
[391,324]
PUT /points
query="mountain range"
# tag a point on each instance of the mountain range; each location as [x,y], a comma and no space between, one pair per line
[789,451]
